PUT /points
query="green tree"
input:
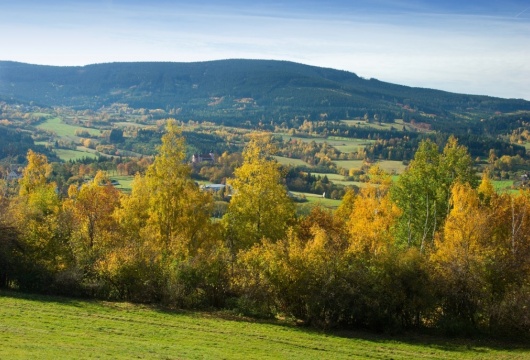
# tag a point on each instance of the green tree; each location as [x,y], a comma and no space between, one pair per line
[423,190]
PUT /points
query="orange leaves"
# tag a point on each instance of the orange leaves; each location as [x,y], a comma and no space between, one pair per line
[92,208]
[466,229]
[371,221]
[35,173]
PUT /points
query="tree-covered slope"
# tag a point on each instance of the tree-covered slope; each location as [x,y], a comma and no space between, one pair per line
[240,90]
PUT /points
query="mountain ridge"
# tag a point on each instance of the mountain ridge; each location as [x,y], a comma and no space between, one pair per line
[212,90]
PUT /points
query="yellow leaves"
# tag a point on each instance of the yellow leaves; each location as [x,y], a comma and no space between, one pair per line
[486,191]
[371,221]
[466,228]
[260,207]
[114,260]
[92,208]
[35,173]
[166,210]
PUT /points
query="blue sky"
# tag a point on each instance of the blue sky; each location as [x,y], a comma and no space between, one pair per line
[476,47]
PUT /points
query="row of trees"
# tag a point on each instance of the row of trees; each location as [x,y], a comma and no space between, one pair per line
[431,250]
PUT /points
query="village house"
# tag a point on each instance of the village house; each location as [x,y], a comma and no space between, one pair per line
[199,158]
[13,176]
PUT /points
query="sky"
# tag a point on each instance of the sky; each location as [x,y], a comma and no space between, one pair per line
[465,46]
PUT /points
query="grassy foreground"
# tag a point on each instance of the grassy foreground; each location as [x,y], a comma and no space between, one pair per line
[39,327]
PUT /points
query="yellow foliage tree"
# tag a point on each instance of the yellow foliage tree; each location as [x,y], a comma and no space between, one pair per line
[460,253]
[373,216]
[94,227]
[178,211]
[36,213]
[260,206]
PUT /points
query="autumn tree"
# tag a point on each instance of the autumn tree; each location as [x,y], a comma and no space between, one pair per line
[260,206]
[422,192]
[373,216]
[459,257]
[170,249]
[91,209]
[178,211]
[37,217]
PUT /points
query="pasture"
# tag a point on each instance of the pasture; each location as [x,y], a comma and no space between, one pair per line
[125,182]
[290,161]
[314,199]
[67,154]
[44,327]
[63,130]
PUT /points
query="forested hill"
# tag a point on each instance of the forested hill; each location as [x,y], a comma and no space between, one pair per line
[240,90]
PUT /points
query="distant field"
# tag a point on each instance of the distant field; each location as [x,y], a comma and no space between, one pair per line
[124,180]
[42,327]
[349,164]
[339,179]
[126,123]
[503,185]
[315,199]
[391,166]
[382,126]
[343,144]
[398,125]
[289,161]
[388,165]
[64,130]
[67,155]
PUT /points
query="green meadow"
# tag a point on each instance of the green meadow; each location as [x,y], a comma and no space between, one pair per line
[125,182]
[41,327]
[63,130]
[314,199]
[290,161]
[66,154]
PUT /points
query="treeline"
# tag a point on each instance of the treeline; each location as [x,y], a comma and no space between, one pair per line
[13,143]
[436,249]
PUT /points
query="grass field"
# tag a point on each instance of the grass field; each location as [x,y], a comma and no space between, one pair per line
[66,155]
[349,164]
[290,161]
[503,186]
[63,130]
[343,144]
[392,166]
[374,125]
[40,327]
[124,180]
[389,166]
[315,199]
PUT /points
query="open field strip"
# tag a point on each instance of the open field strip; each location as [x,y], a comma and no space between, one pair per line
[40,327]
[373,125]
[67,155]
[290,161]
[125,182]
[63,130]
[315,199]
[392,166]
[349,164]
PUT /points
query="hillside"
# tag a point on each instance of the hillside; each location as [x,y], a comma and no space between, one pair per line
[56,328]
[235,91]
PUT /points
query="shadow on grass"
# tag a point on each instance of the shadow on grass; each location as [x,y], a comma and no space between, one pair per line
[70,301]
[430,339]
[477,344]
[456,345]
